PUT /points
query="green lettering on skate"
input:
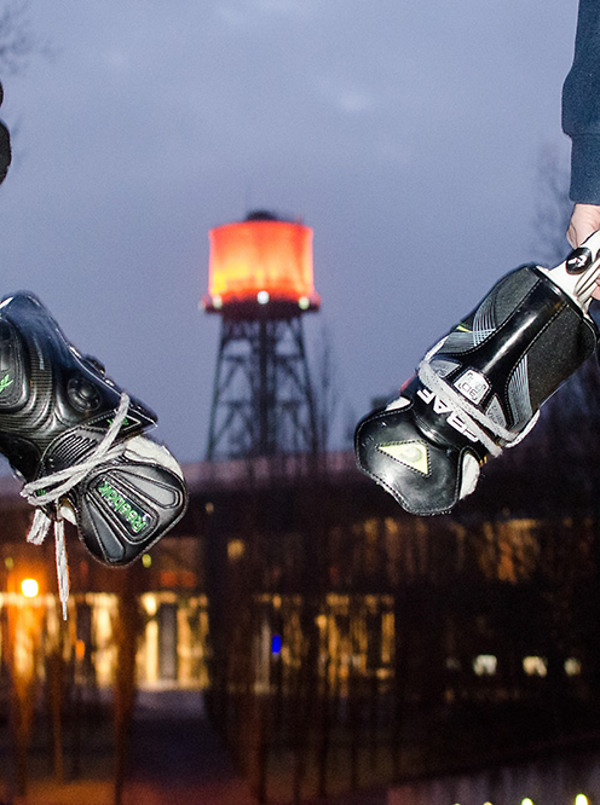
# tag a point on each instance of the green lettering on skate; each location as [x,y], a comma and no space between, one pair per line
[5,382]
[124,424]
[126,510]
[104,489]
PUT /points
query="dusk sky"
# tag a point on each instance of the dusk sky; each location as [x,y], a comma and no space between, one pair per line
[406,134]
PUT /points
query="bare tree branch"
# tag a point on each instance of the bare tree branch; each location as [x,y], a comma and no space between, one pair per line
[17,41]
[554,207]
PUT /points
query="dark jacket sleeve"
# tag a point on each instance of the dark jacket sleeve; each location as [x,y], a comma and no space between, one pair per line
[581,106]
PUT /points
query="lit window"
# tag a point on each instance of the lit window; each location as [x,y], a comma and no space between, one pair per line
[235,549]
[150,603]
[572,666]
[485,665]
[535,666]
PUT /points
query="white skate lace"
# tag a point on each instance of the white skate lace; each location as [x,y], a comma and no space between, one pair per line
[49,489]
[473,416]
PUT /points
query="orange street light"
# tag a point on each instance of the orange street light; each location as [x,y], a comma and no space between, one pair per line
[30,588]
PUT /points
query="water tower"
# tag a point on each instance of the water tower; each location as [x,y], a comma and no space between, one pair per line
[261,284]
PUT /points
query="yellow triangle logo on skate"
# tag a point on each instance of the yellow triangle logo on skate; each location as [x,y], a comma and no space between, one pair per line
[411,454]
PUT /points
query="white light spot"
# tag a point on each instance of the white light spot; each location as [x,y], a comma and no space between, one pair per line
[29,588]
[485,665]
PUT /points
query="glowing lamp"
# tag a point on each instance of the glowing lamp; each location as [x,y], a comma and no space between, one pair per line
[260,262]
[30,588]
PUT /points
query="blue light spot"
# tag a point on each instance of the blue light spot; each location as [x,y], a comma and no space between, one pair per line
[276,644]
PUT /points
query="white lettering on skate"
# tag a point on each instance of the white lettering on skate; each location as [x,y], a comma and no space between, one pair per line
[440,407]
[473,385]
[578,262]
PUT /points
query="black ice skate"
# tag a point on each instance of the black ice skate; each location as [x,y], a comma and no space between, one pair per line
[480,388]
[76,439]
[5,151]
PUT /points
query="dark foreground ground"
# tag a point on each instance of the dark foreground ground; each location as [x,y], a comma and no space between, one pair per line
[172,762]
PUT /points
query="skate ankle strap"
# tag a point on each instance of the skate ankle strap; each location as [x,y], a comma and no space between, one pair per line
[45,494]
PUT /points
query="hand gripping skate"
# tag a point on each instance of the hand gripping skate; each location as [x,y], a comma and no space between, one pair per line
[76,439]
[480,388]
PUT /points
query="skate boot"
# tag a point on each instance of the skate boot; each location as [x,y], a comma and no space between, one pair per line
[77,441]
[480,388]
[5,152]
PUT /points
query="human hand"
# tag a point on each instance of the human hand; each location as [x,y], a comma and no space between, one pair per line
[585,220]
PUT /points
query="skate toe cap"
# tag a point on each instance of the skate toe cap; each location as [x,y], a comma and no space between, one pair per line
[422,476]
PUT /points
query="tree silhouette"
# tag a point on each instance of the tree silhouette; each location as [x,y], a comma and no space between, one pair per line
[17,40]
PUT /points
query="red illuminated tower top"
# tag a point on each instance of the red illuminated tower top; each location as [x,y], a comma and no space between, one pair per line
[262,266]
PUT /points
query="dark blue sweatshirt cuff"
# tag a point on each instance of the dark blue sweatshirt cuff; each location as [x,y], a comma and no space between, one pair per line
[585,169]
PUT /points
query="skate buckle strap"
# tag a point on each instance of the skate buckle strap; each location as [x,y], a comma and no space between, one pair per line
[45,493]
[477,419]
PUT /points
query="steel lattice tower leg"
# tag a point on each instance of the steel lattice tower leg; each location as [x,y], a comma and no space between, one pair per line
[262,401]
